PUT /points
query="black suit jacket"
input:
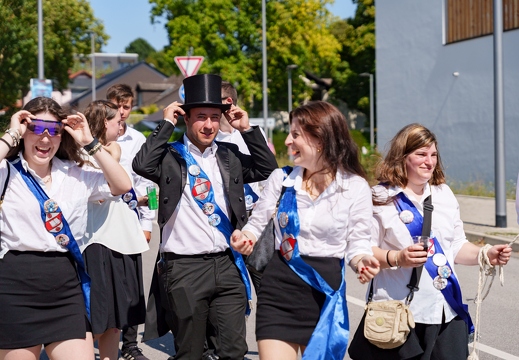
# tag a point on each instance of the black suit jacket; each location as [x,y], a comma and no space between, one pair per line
[160,163]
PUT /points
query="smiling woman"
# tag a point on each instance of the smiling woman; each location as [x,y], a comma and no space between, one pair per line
[43,179]
[411,179]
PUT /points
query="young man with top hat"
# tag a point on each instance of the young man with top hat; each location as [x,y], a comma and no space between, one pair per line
[201,200]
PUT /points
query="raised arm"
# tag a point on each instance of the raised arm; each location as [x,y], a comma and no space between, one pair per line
[115,175]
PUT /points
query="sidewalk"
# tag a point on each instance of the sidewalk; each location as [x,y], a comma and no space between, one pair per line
[479,216]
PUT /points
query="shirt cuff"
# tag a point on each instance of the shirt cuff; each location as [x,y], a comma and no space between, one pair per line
[170,121]
[146,225]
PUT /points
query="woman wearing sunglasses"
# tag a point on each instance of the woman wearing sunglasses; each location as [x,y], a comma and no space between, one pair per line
[44,289]
[114,235]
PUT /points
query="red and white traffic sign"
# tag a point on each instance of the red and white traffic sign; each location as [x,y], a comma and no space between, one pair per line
[189,65]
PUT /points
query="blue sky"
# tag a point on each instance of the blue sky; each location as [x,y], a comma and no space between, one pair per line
[127,20]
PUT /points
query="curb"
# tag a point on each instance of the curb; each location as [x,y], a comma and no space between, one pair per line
[478,237]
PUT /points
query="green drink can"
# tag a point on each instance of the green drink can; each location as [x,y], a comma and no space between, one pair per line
[152,197]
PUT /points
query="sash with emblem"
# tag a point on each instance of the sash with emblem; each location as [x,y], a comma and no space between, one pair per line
[437,264]
[329,339]
[203,193]
[57,225]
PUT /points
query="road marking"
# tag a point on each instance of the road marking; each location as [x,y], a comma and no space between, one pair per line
[485,348]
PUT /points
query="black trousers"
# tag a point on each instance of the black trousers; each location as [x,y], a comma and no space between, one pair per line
[206,291]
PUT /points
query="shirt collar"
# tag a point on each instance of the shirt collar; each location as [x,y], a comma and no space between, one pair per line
[57,165]
[395,190]
[295,179]
[193,148]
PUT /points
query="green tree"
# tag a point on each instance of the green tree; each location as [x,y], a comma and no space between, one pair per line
[228,34]
[357,37]
[65,34]
[141,47]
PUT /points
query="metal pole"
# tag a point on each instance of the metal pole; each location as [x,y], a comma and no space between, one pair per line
[289,90]
[41,74]
[371,114]
[499,128]
[264,48]
[92,42]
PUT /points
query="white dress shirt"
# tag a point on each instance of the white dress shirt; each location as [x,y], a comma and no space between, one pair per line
[390,233]
[72,187]
[188,231]
[336,224]
[131,142]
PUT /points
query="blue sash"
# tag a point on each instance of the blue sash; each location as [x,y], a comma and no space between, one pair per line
[215,215]
[130,198]
[330,337]
[58,226]
[452,292]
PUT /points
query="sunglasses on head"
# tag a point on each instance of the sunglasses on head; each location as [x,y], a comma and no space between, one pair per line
[38,127]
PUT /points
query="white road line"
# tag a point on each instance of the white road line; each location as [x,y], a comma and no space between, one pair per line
[485,348]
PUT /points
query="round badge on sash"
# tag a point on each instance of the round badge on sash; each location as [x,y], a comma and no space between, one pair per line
[287,246]
[439,283]
[127,197]
[283,219]
[132,204]
[406,216]
[194,170]
[249,201]
[208,208]
[444,271]
[214,220]
[50,206]
[62,239]
[439,259]
[201,188]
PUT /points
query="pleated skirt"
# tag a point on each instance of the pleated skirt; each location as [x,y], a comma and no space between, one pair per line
[117,293]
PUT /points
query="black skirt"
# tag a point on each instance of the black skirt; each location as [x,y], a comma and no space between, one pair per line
[40,299]
[117,293]
[288,308]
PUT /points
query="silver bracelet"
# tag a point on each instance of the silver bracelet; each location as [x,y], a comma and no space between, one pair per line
[15,135]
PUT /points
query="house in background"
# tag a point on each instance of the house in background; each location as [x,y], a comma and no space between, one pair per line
[130,75]
[435,67]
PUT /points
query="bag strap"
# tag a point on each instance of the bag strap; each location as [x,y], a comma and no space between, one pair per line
[5,184]
[287,170]
[417,272]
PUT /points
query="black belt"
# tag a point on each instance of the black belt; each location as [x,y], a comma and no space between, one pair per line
[173,256]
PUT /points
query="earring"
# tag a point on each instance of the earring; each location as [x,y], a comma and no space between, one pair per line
[318,150]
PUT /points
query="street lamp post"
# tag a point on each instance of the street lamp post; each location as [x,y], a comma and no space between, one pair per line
[41,75]
[371,110]
[289,69]
[92,45]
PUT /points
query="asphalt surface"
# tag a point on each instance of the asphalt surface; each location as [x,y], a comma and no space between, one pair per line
[499,338]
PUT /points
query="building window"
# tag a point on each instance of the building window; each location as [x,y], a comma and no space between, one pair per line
[468,19]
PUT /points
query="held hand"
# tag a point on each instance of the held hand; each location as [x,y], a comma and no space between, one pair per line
[19,121]
[77,127]
[499,254]
[147,235]
[142,200]
[241,243]
[411,256]
[238,118]
[368,267]
[173,111]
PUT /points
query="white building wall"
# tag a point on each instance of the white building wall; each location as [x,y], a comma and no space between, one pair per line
[415,83]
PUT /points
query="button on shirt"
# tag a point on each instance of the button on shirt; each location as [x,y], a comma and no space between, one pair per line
[390,233]
[188,231]
[72,187]
[336,224]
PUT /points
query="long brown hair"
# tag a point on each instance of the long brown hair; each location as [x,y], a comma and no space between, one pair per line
[392,169]
[68,148]
[325,123]
[96,113]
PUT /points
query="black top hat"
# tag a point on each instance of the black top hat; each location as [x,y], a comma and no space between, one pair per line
[203,91]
